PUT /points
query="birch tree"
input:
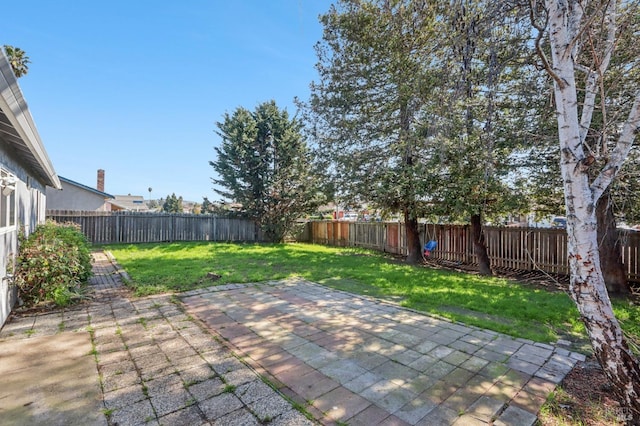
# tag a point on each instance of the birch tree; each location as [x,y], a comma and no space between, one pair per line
[582,39]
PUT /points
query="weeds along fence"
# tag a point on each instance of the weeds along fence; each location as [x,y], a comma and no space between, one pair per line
[522,249]
[134,227]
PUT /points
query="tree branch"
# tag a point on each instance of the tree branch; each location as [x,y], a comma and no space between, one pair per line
[630,130]
[595,77]
[541,29]
[589,104]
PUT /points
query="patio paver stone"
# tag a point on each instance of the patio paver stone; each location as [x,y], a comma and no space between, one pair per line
[401,367]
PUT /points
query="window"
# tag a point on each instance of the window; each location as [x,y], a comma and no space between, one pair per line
[7,199]
[12,209]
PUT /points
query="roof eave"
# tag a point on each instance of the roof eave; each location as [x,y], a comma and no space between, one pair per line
[86,188]
[15,108]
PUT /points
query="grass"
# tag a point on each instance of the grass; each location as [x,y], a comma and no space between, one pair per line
[229,389]
[107,411]
[143,321]
[488,302]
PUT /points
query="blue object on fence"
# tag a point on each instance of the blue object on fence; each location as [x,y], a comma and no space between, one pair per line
[429,247]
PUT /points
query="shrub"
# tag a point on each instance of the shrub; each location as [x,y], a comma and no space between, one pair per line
[53,264]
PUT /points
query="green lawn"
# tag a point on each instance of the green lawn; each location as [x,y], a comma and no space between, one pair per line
[487,302]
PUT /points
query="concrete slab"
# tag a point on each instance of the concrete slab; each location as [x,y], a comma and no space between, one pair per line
[50,380]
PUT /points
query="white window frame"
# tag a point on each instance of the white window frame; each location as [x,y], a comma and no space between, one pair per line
[8,194]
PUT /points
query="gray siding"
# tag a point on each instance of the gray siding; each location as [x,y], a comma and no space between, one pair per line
[30,210]
[72,197]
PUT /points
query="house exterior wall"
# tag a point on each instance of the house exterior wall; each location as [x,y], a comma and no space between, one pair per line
[28,211]
[72,197]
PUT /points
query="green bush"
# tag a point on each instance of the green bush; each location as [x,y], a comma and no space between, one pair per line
[53,264]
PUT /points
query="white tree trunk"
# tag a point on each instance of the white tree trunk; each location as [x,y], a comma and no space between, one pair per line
[587,287]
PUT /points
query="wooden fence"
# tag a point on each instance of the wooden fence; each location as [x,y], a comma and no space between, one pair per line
[524,249]
[133,227]
[388,236]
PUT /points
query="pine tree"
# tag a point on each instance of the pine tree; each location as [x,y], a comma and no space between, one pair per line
[207,206]
[474,116]
[365,110]
[172,204]
[264,164]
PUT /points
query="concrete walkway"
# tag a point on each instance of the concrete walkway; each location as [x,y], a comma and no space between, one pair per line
[154,366]
[343,359]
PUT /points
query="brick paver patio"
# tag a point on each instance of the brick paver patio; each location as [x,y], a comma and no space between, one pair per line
[359,361]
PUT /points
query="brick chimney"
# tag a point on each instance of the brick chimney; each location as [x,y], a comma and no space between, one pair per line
[100,186]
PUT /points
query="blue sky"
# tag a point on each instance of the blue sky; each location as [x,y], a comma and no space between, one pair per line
[135,87]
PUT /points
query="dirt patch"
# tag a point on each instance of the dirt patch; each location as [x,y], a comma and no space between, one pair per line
[583,398]
[211,277]
[475,314]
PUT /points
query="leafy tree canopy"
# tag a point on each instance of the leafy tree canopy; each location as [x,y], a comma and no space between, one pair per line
[365,109]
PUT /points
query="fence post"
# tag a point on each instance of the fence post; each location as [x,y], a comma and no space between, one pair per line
[529,250]
[384,237]
[116,229]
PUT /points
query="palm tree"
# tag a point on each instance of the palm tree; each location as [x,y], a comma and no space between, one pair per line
[18,60]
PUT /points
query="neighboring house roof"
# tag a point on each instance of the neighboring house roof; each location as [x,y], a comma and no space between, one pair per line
[18,129]
[85,187]
[130,202]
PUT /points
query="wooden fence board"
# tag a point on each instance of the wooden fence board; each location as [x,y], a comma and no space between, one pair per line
[524,249]
[130,227]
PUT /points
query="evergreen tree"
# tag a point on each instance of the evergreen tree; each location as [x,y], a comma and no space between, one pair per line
[414,109]
[179,205]
[365,111]
[206,207]
[264,164]
[475,116]
[172,204]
